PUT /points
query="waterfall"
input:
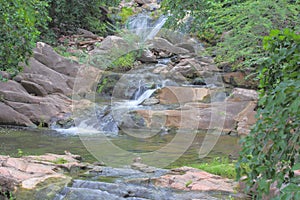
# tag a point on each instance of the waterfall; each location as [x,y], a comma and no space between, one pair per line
[140,91]
[144,26]
[141,98]
[104,120]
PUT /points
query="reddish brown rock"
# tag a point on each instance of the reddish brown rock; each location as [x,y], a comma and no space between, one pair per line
[187,178]
[238,79]
[9,116]
[172,94]
[241,94]
[196,116]
[42,91]
[29,171]
[246,119]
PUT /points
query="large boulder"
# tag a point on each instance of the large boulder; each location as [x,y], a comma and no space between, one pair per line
[239,79]
[163,44]
[173,94]
[47,56]
[36,174]
[192,112]
[198,116]
[42,91]
[51,80]
[8,116]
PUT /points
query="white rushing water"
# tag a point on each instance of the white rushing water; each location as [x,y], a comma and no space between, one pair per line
[105,121]
[144,26]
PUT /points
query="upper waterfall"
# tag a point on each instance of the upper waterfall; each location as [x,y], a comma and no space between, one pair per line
[144,26]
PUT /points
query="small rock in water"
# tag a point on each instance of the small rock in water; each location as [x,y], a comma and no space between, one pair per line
[151,101]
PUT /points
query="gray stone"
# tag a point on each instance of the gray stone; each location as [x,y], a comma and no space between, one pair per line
[33,88]
[163,44]
[151,101]
[147,56]
[9,116]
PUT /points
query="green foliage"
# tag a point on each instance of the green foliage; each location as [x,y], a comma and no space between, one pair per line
[125,13]
[219,166]
[283,61]
[73,54]
[60,161]
[102,85]
[236,28]
[20,152]
[20,23]
[271,152]
[67,16]
[187,184]
[125,62]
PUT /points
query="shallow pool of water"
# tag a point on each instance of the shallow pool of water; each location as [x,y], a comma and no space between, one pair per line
[20,142]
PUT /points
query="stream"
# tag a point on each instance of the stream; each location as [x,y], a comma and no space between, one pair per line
[39,141]
[113,130]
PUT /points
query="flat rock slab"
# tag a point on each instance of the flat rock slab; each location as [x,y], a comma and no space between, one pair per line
[191,179]
[29,171]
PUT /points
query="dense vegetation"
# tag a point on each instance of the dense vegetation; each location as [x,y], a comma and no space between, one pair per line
[271,152]
[67,16]
[234,29]
[23,23]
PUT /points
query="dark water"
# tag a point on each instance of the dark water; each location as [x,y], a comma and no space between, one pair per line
[15,142]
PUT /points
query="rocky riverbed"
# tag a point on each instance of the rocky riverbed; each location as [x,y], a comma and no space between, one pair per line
[53,176]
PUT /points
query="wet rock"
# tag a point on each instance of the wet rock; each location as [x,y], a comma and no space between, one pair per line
[151,101]
[142,2]
[116,172]
[147,57]
[114,191]
[240,94]
[198,81]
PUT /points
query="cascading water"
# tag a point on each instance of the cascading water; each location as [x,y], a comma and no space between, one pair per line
[104,121]
[144,26]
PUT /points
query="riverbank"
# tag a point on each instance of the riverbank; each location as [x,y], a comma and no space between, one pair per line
[53,176]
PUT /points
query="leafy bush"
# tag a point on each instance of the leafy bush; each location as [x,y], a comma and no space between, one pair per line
[124,62]
[271,152]
[20,23]
[125,13]
[235,27]
[69,15]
